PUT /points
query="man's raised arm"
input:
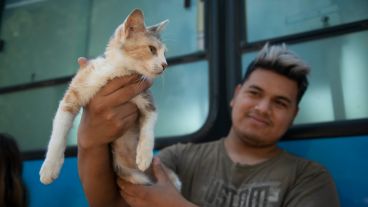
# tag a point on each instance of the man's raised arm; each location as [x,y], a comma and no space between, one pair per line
[108,115]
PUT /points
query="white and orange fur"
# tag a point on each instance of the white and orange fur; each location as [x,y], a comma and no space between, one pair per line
[133,48]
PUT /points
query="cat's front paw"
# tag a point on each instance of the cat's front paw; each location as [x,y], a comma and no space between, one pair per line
[50,171]
[144,157]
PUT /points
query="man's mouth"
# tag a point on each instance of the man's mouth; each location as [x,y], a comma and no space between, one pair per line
[259,119]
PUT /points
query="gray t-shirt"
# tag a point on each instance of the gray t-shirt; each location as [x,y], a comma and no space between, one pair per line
[211,179]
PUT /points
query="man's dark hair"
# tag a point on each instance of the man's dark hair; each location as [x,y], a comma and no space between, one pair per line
[279,59]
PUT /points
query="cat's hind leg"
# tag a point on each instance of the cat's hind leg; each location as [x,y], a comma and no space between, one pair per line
[146,141]
[146,134]
[124,154]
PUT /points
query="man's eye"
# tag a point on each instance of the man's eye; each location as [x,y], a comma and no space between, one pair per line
[253,93]
[281,104]
[153,49]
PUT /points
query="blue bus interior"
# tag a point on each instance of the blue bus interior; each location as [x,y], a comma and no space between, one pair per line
[210,43]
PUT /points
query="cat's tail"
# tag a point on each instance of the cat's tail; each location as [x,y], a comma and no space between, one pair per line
[54,160]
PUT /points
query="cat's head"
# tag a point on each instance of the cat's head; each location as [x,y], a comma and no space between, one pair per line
[137,47]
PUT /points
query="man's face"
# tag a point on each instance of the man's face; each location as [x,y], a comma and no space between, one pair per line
[264,107]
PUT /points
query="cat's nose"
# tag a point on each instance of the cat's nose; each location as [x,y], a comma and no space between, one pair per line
[164,66]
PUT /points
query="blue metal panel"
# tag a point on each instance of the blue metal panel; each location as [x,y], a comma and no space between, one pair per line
[346,160]
[65,191]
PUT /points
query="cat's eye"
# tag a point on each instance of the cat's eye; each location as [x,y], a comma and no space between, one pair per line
[153,49]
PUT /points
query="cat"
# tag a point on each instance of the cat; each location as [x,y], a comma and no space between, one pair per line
[133,48]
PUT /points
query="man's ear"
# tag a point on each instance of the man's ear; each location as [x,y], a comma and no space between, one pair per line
[296,111]
[236,92]
[295,114]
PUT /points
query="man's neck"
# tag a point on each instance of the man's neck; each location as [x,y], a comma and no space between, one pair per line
[243,153]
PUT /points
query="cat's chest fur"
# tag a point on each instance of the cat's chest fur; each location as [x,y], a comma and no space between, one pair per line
[96,74]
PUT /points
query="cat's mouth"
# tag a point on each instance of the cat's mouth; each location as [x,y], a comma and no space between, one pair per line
[152,74]
[156,72]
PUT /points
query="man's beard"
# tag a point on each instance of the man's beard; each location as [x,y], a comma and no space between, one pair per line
[254,141]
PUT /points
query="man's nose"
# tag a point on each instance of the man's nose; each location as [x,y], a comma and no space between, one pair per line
[263,106]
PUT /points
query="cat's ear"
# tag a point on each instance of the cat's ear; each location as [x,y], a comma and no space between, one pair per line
[132,24]
[158,27]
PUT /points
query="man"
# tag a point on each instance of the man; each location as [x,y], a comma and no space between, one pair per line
[246,168]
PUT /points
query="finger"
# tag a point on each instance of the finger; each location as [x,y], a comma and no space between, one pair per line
[122,183]
[125,94]
[127,124]
[124,186]
[117,83]
[126,109]
[129,189]
[128,199]
[128,114]
[132,200]
[159,171]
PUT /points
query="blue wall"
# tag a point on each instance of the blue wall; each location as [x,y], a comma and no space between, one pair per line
[345,158]
[64,191]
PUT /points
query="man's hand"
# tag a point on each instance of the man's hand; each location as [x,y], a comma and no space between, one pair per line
[106,117]
[163,193]
[110,113]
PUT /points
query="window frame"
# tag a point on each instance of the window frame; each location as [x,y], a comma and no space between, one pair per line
[331,129]
[212,126]
[224,47]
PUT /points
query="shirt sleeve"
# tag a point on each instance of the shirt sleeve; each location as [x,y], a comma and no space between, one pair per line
[170,156]
[314,187]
